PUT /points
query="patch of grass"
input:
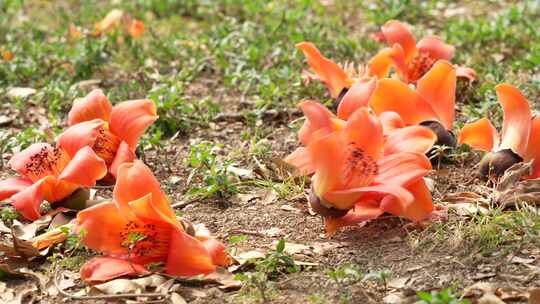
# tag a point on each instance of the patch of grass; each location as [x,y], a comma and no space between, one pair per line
[444,296]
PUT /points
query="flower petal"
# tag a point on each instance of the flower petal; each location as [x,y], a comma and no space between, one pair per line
[415,139]
[517,118]
[436,48]
[301,160]
[438,88]
[101,269]
[331,74]
[84,169]
[480,135]
[464,72]
[20,160]
[135,181]
[188,256]
[356,97]
[360,213]
[136,28]
[103,225]
[80,135]
[327,156]
[123,155]
[380,64]
[213,246]
[397,32]
[129,120]
[402,168]
[28,201]
[346,198]
[317,117]
[365,130]
[94,105]
[10,186]
[394,95]
[417,210]
[533,147]
[391,121]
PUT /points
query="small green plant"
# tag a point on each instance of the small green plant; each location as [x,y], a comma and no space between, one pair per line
[217,179]
[344,276]
[8,214]
[380,276]
[73,244]
[444,296]
[258,283]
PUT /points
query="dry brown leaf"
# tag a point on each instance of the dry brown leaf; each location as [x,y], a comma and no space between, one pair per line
[462,197]
[175,298]
[139,285]
[21,93]
[534,296]
[513,175]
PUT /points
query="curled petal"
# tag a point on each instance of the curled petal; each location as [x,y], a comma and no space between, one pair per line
[80,135]
[103,269]
[415,139]
[123,155]
[330,73]
[94,106]
[10,186]
[356,97]
[419,209]
[188,256]
[301,160]
[480,135]
[402,168]
[135,181]
[438,88]
[318,117]
[28,201]
[464,72]
[359,214]
[130,119]
[391,121]
[397,32]
[517,119]
[84,169]
[381,63]
[104,226]
[215,248]
[400,62]
[436,48]
[394,95]
[533,147]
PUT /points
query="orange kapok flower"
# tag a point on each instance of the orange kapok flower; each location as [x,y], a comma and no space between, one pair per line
[135,28]
[412,60]
[139,227]
[431,104]
[7,55]
[49,174]
[113,132]
[520,138]
[358,169]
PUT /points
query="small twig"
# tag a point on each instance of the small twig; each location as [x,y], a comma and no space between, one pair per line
[181,205]
[102,297]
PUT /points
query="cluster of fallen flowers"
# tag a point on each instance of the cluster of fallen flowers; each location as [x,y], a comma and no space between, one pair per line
[115,19]
[138,227]
[370,157]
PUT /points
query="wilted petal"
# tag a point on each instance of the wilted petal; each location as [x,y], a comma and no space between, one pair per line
[416,139]
[94,106]
[465,72]
[436,48]
[101,269]
[517,119]
[438,88]
[480,135]
[129,120]
[356,97]
[397,32]
[394,95]
[330,73]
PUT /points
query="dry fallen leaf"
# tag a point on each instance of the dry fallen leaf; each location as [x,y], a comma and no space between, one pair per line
[138,285]
[21,93]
